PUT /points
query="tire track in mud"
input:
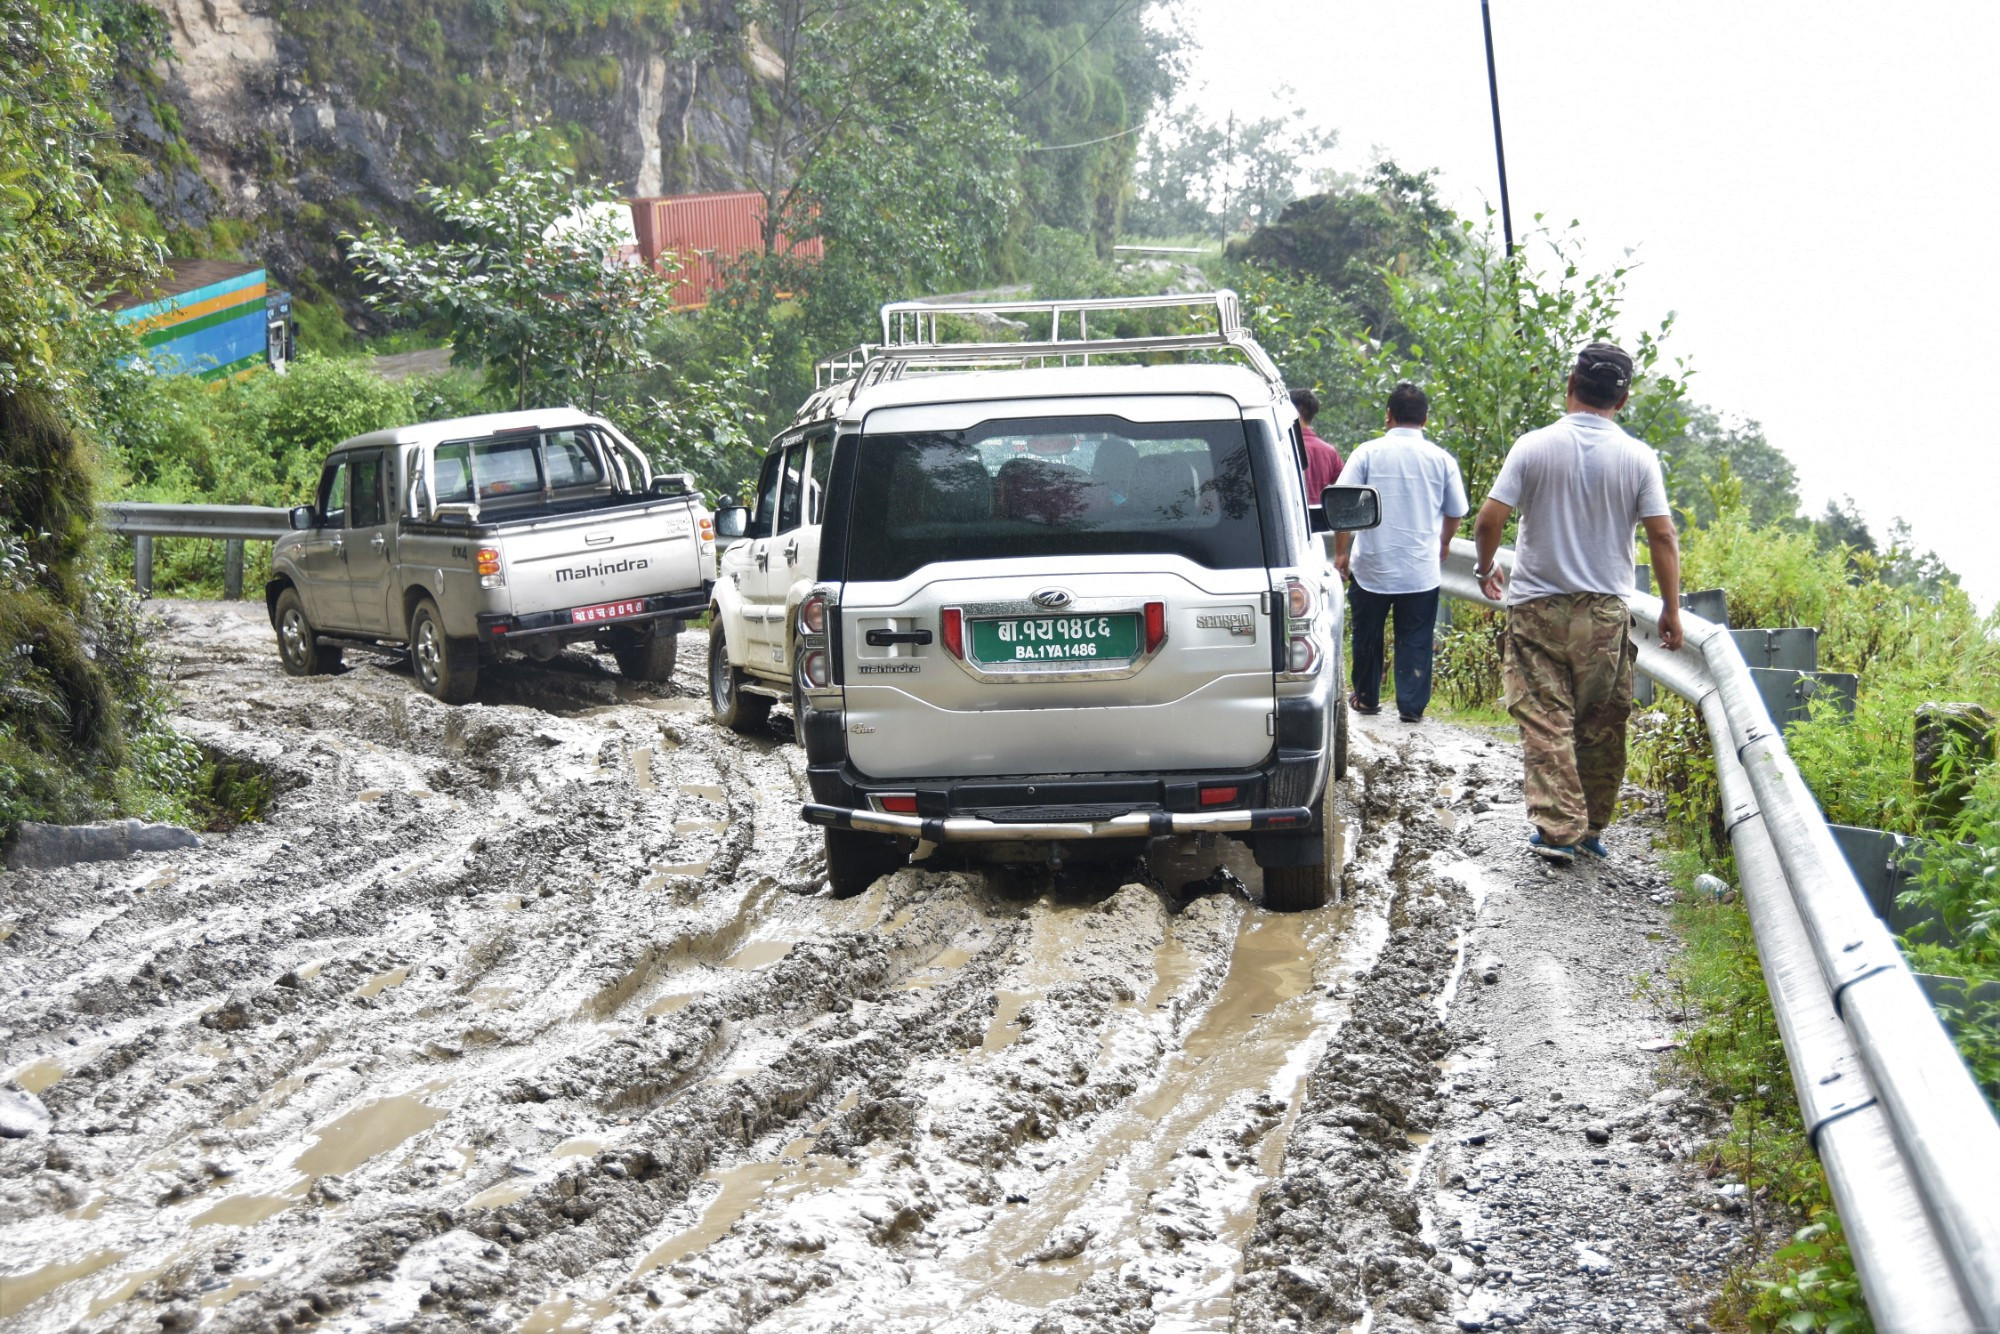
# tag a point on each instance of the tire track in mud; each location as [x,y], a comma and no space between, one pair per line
[533,1015]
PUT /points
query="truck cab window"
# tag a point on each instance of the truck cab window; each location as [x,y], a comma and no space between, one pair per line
[367,509]
[451,474]
[332,504]
[571,460]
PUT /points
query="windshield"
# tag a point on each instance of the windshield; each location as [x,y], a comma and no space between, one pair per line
[1054,486]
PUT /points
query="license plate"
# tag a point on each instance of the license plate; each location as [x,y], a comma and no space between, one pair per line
[1055,638]
[607,611]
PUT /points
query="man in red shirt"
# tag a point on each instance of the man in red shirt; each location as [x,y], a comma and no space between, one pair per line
[1322,459]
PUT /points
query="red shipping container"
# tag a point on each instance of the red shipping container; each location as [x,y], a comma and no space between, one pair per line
[704,233]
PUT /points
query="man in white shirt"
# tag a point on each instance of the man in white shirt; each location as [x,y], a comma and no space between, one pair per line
[1393,569]
[1581,485]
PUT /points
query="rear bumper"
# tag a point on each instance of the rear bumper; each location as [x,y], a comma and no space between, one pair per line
[496,628]
[1136,824]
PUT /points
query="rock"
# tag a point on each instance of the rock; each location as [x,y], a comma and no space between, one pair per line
[1597,1133]
[1488,968]
[1590,1262]
[46,847]
[22,1115]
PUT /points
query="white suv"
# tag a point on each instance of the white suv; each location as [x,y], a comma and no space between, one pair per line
[1057,608]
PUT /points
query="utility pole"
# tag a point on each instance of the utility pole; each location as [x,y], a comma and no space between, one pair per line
[1499,148]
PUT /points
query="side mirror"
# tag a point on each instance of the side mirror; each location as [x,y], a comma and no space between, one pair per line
[731,521]
[1350,508]
[304,518]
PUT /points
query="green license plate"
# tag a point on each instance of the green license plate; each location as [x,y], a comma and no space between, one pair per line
[1055,639]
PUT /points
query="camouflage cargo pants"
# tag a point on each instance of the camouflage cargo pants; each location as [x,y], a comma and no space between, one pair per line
[1568,673]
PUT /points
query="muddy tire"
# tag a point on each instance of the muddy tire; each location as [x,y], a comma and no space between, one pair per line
[856,861]
[650,656]
[299,649]
[1339,734]
[798,706]
[734,708]
[446,668]
[1303,888]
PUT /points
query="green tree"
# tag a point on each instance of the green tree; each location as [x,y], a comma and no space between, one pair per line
[1492,338]
[1086,74]
[1198,177]
[1350,237]
[1707,448]
[526,282]
[879,133]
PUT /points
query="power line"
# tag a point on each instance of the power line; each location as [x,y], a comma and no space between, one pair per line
[1085,143]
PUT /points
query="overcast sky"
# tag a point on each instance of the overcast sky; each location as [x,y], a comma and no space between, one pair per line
[1810,186]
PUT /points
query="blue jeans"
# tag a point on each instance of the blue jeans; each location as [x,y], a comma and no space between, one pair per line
[1416,629]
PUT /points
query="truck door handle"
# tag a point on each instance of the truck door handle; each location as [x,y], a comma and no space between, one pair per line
[378,541]
[792,552]
[340,547]
[884,638]
[763,558]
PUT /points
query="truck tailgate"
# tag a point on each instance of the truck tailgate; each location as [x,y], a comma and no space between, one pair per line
[587,559]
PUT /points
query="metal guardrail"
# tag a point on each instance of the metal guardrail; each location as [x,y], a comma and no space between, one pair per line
[1911,1150]
[232,525]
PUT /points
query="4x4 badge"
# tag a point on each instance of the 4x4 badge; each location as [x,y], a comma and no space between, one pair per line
[1050,598]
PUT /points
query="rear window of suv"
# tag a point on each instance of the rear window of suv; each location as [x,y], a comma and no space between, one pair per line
[1054,486]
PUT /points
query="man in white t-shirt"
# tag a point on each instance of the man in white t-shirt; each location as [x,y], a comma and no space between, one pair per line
[1581,485]
[1392,569]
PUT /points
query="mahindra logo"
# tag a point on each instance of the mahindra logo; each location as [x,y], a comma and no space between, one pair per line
[599,571]
[1049,599]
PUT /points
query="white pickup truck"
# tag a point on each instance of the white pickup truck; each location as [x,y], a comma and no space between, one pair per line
[465,538]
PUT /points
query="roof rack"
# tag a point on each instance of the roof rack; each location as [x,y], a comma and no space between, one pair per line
[910,340]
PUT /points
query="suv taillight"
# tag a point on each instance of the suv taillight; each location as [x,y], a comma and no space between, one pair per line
[1301,656]
[812,614]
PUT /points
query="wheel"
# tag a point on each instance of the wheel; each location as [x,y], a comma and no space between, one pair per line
[447,669]
[299,648]
[798,707]
[1339,733]
[1301,888]
[732,707]
[856,861]
[649,656]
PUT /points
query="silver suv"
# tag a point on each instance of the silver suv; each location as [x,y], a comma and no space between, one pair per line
[1066,607]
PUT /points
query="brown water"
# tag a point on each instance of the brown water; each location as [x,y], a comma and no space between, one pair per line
[371,1129]
[38,1075]
[20,1291]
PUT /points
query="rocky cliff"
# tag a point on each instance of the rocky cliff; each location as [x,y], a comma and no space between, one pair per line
[281,123]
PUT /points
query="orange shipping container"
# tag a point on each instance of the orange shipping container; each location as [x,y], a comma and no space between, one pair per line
[705,232]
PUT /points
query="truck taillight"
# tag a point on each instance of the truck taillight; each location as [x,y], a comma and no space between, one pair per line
[1156,625]
[1298,600]
[812,614]
[488,565]
[954,632]
[1301,658]
[707,528]
[813,667]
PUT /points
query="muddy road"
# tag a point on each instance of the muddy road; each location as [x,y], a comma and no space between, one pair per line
[535,1015]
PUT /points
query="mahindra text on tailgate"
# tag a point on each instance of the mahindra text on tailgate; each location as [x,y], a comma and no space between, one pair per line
[1101,569]
[602,573]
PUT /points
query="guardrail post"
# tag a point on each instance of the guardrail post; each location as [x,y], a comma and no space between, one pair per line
[142,565]
[232,568]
